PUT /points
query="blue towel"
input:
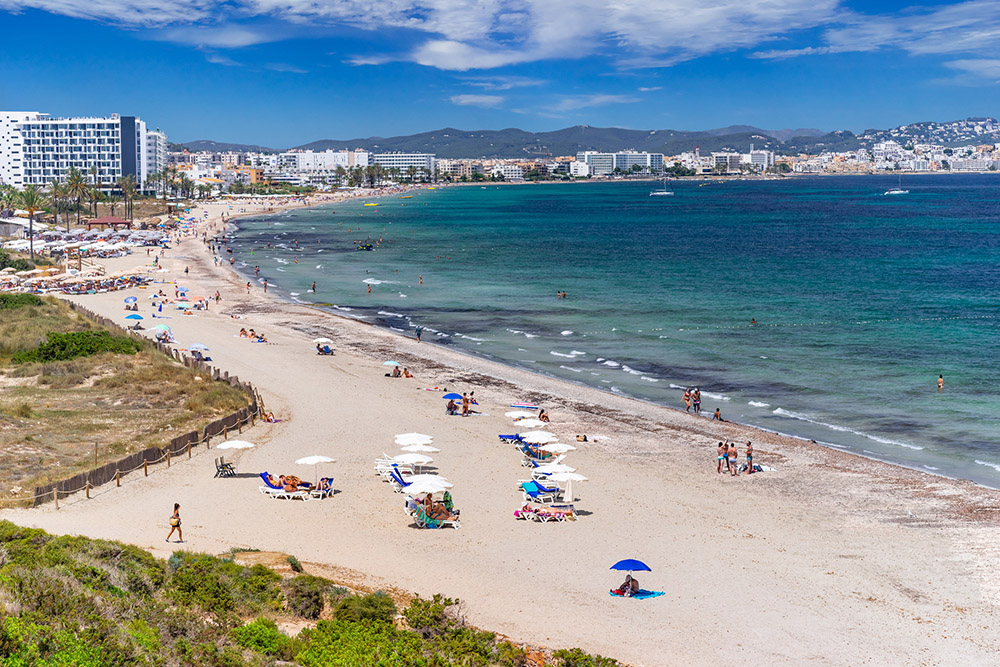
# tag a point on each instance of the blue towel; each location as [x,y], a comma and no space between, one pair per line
[643,594]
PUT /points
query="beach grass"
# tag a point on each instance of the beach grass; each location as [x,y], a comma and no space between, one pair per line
[58,418]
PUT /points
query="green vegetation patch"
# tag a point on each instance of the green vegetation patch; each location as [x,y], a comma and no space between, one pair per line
[74,601]
[67,346]
[20,300]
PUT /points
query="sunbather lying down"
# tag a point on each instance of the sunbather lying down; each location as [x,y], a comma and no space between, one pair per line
[289,483]
[628,588]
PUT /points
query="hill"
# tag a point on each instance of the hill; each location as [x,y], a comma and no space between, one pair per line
[450,142]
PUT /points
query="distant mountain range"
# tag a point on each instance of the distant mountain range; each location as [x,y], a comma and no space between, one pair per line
[514,143]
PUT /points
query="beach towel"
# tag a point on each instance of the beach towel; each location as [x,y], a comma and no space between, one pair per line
[643,594]
[524,406]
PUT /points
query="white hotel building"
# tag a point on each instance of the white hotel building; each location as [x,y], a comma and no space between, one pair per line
[35,148]
[403,161]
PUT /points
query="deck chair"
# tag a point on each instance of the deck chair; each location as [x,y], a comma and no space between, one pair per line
[223,469]
[532,493]
[397,481]
[424,521]
[324,489]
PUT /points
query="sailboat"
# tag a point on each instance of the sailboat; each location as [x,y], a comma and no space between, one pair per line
[662,193]
[898,190]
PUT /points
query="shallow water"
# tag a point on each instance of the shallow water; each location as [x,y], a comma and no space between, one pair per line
[860,300]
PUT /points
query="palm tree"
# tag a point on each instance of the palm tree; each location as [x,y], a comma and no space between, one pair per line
[77,188]
[128,189]
[94,172]
[56,193]
[31,200]
[113,203]
[204,191]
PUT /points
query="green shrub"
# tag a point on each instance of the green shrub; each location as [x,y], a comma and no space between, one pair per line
[21,409]
[295,564]
[27,643]
[305,595]
[66,346]
[261,635]
[16,264]
[12,301]
[360,609]
[428,617]
[346,643]
[575,657]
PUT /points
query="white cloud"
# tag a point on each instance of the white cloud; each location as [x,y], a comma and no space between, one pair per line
[574,102]
[284,67]
[503,82]
[973,72]
[459,35]
[649,89]
[217,59]
[485,101]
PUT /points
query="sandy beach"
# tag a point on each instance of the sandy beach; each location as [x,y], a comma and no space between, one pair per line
[831,559]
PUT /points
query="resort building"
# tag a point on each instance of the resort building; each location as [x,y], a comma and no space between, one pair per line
[156,151]
[35,148]
[403,161]
[600,164]
[626,160]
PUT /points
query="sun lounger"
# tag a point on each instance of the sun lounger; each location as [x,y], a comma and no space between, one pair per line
[397,481]
[324,489]
[223,469]
[279,492]
[516,438]
[533,493]
[546,513]
[422,520]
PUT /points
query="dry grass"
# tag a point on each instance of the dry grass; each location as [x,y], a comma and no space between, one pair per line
[53,415]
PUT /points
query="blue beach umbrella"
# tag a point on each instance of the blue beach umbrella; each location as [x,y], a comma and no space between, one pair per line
[631,565]
[390,363]
[133,316]
[130,299]
[452,396]
[183,289]
[201,347]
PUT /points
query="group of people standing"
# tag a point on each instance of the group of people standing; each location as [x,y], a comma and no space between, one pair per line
[729,455]
[692,399]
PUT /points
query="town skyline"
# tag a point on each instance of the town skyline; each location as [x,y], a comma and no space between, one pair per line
[284,74]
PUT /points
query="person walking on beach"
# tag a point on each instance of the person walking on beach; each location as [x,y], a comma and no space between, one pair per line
[721,457]
[940,383]
[687,399]
[749,458]
[314,287]
[419,331]
[248,287]
[734,468]
[175,524]
[465,405]
[265,285]
[696,400]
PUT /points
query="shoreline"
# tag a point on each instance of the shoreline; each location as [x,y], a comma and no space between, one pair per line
[471,354]
[889,562]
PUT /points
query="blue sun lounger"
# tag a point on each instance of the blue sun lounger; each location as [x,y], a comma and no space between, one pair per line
[397,480]
[532,492]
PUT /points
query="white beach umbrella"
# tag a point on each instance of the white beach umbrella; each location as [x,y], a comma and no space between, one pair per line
[519,414]
[426,486]
[315,460]
[235,444]
[569,478]
[554,468]
[413,439]
[557,448]
[322,340]
[420,448]
[531,433]
[413,458]
[530,423]
[437,479]
[539,438]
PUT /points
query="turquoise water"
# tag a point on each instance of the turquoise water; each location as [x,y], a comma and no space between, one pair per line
[861,300]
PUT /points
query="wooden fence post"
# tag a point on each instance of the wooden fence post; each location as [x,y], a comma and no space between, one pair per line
[88,490]
[189,449]
[168,458]
[145,466]
[239,424]
[225,431]
[118,477]
[55,496]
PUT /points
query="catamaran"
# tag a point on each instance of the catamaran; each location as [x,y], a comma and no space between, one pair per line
[897,190]
[662,193]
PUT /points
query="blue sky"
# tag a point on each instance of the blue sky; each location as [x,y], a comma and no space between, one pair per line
[284,72]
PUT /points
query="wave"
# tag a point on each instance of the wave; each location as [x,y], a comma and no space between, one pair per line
[648,379]
[295,293]
[995,466]
[575,370]
[280,269]
[375,281]
[781,412]
[386,312]
[566,333]
[319,266]
[560,354]
[758,404]
[631,371]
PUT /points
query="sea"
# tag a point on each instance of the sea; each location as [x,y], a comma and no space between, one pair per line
[811,306]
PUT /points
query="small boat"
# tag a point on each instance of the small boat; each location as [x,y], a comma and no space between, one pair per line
[371,203]
[662,193]
[898,190]
[407,197]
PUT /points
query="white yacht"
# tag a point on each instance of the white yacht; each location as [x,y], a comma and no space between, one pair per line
[662,193]
[897,190]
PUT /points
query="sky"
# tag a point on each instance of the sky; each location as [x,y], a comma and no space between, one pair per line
[281,73]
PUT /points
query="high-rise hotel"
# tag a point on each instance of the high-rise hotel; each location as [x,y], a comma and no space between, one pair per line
[35,148]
